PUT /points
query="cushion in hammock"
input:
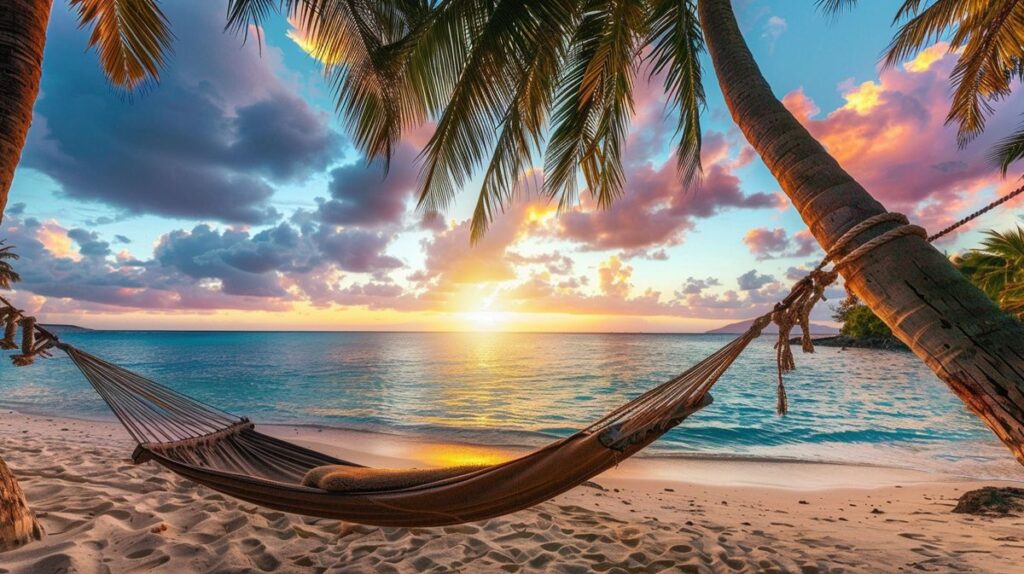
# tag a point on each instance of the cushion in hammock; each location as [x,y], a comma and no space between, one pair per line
[337,478]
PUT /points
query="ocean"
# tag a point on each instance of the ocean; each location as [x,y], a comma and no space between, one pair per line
[846,406]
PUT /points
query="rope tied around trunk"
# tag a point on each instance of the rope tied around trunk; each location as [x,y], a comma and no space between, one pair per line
[796,308]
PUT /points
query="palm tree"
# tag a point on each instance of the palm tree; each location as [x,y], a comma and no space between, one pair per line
[506,80]
[17,524]
[130,36]
[997,267]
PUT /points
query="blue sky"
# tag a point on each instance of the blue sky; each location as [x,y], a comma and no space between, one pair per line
[229,196]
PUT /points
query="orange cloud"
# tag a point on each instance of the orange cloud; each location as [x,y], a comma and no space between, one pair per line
[55,238]
[891,135]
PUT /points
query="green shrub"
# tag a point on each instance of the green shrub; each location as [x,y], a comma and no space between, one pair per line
[859,322]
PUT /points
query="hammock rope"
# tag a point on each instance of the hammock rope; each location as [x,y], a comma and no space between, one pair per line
[225,452]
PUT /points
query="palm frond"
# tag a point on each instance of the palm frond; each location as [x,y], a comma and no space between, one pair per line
[246,15]
[131,37]
[612,72]
[676,45]
[573,117]
[522,128]
[990,36]
[7,274]
[1009,150]
[993,44]
[922,27]
[363,45]
[835,7]
[497,64]
[595,102]
[997,267]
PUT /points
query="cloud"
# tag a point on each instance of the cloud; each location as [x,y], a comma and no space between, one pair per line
[694,286]
[656,196]
[364,195]
[890,134]
[775,243]
[774,28]
[209,142]
[654,192]
[613,277]
[202,268]
[752,280]
[356,250]
[89,244]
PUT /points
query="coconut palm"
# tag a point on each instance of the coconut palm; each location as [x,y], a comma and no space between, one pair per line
[17,524]
[998,268]
[507,81]
[131,38]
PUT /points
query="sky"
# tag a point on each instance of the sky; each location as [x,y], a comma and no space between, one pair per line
[229,196]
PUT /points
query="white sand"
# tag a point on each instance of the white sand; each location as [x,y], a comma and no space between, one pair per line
[104,514]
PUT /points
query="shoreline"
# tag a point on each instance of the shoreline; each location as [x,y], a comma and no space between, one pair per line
[102,513]
[396,449]
[405,450]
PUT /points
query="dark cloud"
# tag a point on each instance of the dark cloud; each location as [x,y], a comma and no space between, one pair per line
[752,280]
[208,142]
[202,268]
[89,244]
[365,195]
[694,286]
[356,250]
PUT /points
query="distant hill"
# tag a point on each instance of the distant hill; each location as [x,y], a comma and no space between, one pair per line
[58,328]
[742,326]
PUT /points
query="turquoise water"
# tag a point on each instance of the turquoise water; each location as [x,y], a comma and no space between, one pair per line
[859,406]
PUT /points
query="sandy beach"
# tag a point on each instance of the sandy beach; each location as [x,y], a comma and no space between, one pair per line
[104,514]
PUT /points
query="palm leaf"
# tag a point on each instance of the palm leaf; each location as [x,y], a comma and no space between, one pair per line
[363,44]
[613,71]
[990,36]
[594,102]
[131,37]
[573,117]
[502,45]
[522,127]
[1009,150]
[676,45]
[835,7]
[7,273]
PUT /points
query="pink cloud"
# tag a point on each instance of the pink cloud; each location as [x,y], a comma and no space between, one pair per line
[766,243]
[654,193]
[890,135]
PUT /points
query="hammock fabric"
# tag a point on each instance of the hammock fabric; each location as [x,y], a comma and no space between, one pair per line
[226,453]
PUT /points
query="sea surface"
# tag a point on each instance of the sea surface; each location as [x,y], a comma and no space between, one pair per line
[848,406]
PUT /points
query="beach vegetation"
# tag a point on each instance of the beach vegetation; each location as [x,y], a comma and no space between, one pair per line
[8,276]
[997,268]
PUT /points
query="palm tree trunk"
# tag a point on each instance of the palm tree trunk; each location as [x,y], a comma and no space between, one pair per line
[22,37]
[17,524]
[951,325]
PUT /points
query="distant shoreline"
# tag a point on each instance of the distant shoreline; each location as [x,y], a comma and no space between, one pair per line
[845,342]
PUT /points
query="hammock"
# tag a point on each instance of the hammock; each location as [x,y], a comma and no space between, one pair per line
[226,453]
